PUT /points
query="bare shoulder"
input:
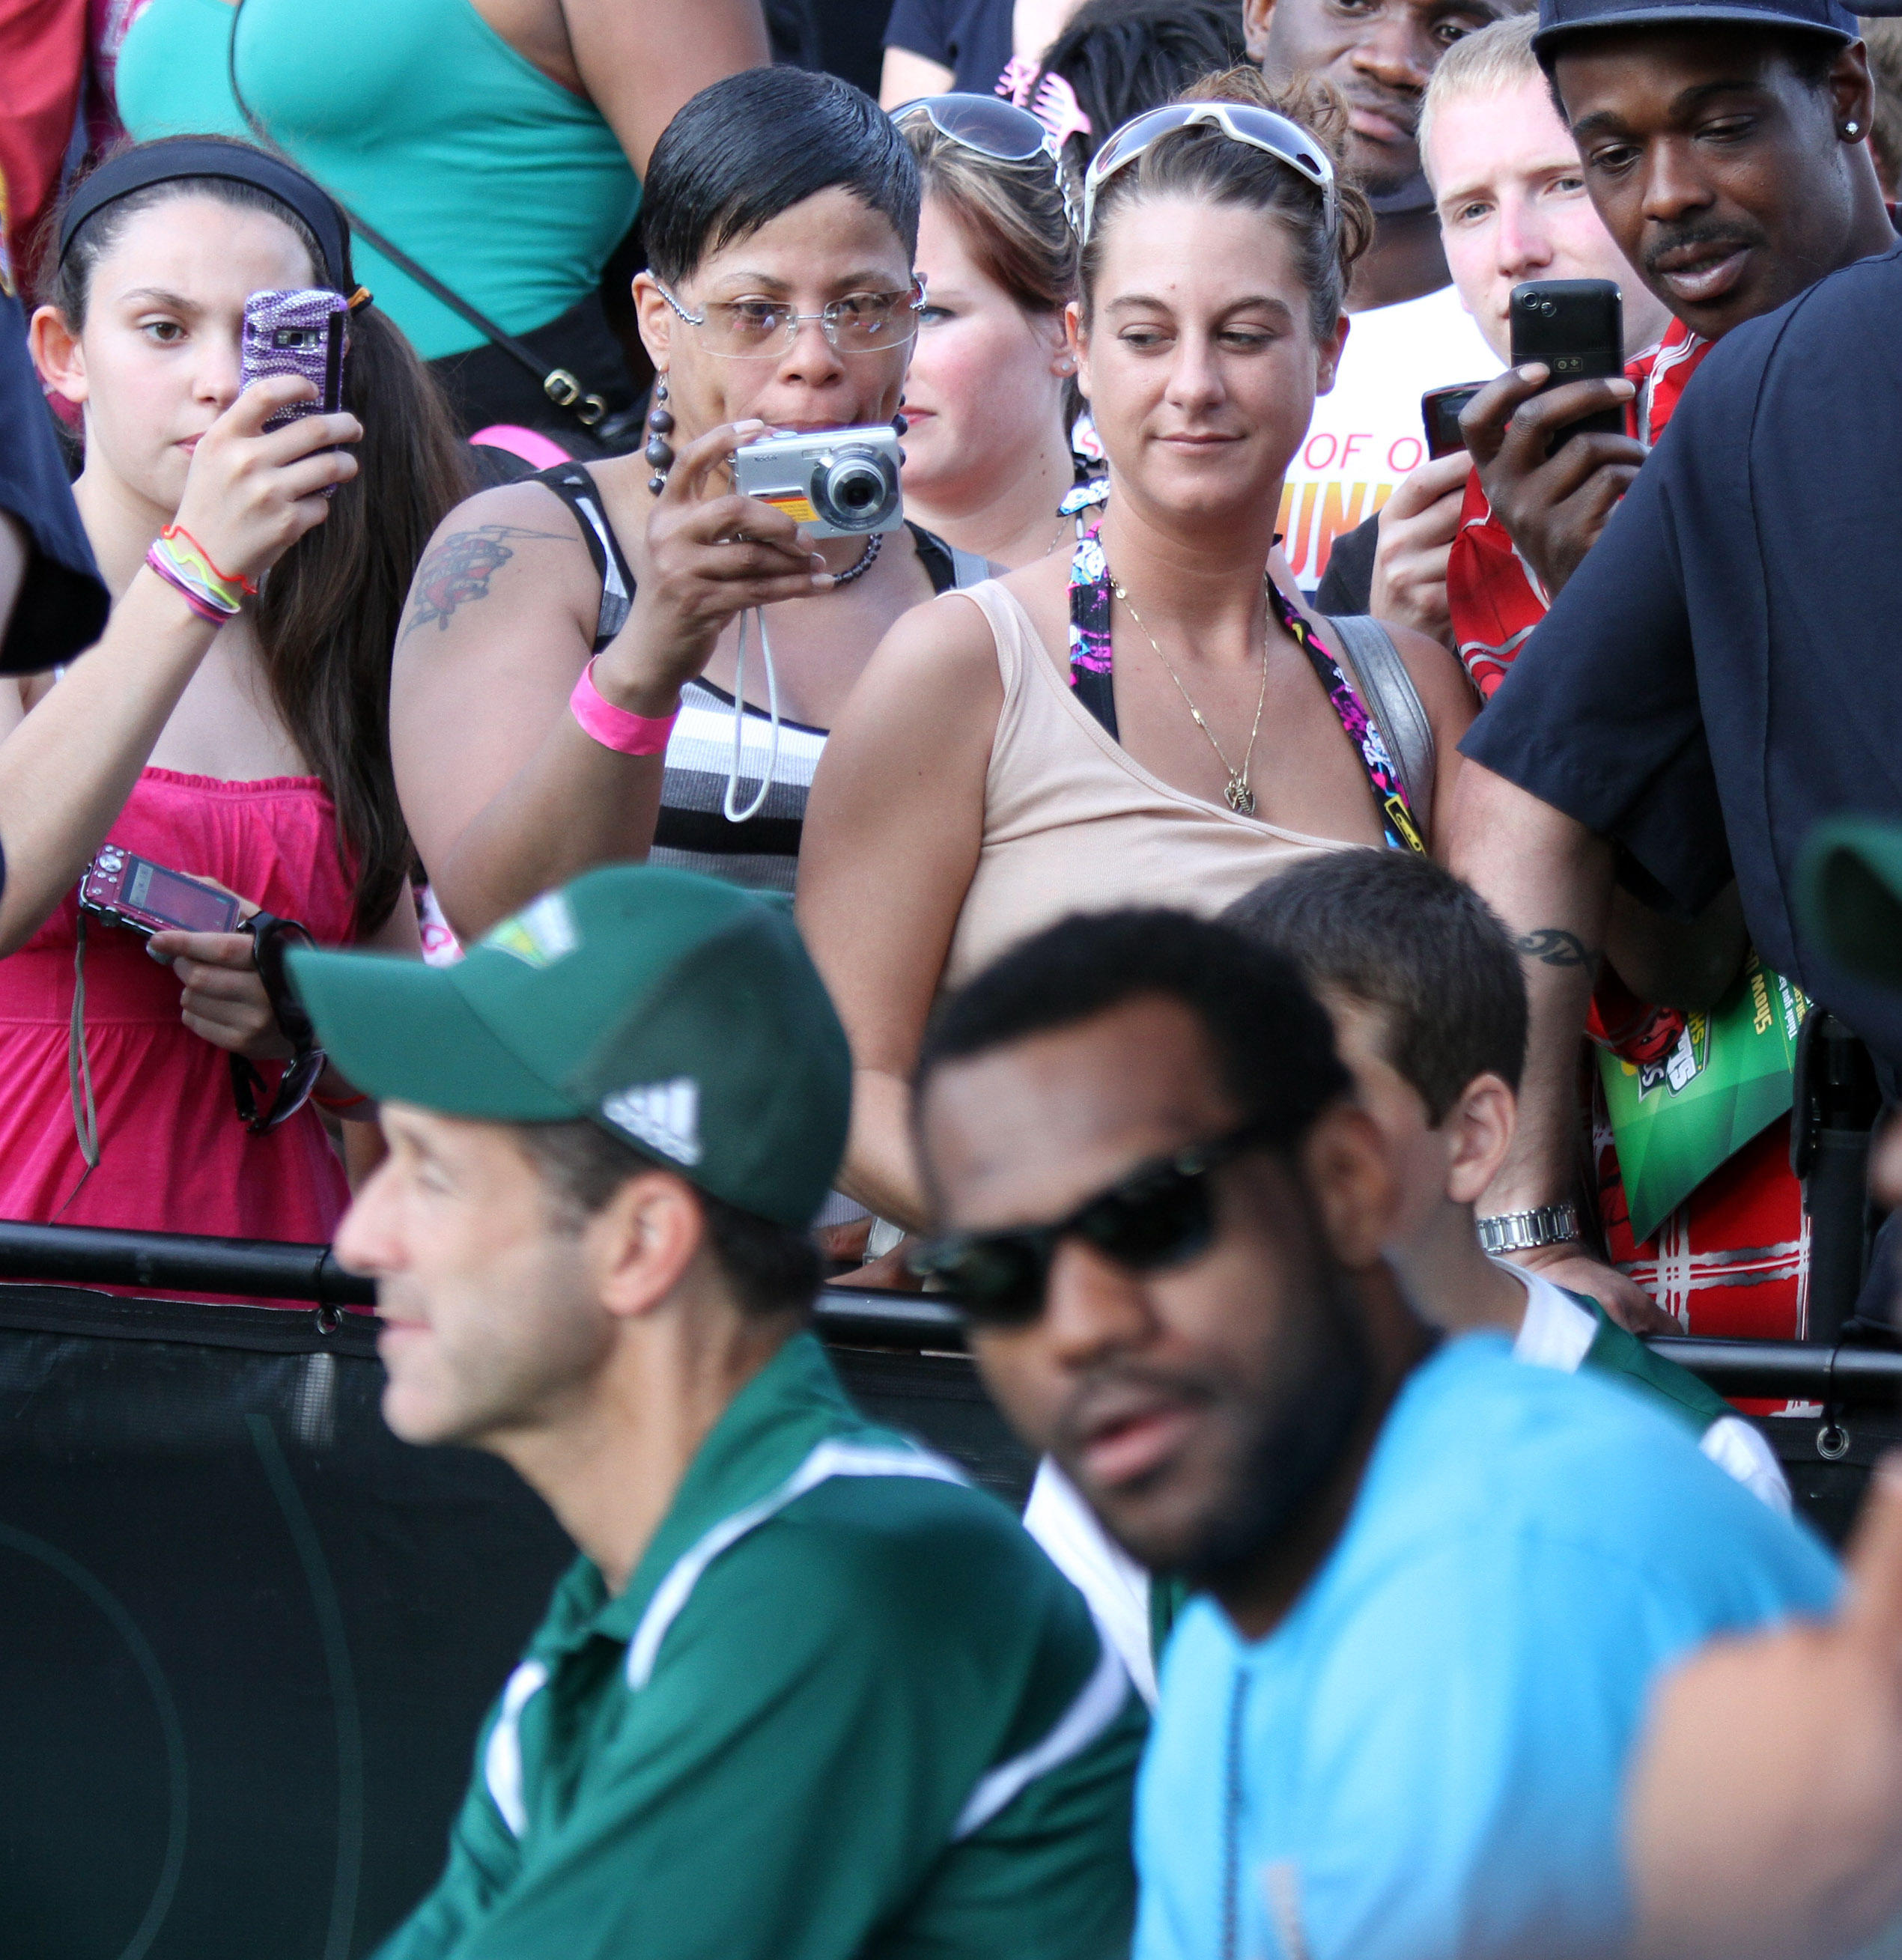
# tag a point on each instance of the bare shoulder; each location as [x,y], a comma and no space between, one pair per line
[947,639]
[517,535]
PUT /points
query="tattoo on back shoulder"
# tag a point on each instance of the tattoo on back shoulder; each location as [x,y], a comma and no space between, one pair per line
[1553,946]
[456,572]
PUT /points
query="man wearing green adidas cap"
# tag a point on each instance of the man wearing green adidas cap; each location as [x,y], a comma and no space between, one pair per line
[805,1694]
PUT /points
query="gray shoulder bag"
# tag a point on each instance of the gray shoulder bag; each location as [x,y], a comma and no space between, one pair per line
[1373,664]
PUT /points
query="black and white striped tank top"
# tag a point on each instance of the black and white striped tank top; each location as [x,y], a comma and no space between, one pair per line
[693,833]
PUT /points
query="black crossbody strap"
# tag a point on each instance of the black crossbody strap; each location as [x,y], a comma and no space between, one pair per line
[557,383]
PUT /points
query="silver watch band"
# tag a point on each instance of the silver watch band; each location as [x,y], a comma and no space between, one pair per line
[1521,1231]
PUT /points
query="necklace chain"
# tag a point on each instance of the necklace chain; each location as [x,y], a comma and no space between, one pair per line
[1239,794]
[874,544]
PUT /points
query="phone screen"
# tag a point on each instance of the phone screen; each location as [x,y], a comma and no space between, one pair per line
[183,901]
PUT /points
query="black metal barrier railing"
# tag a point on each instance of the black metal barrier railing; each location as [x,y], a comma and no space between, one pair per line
[180,1263]
[259,1631]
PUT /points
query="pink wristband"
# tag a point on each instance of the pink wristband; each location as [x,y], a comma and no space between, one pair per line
[614,727]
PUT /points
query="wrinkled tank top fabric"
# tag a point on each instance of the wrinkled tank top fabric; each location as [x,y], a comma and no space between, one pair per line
[508,189]
[1072,824]
[174,1156]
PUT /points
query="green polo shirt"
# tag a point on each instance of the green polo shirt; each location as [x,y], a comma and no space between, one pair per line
[845,1706]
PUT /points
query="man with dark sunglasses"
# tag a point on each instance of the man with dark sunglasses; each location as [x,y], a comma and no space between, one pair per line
[1438,1583]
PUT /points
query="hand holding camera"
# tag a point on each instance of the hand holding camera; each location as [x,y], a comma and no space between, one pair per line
[712,551]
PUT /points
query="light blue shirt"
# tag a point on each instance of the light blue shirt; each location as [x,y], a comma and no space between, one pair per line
[1429,1750]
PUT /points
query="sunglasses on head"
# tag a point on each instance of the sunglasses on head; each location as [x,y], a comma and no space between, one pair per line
[1241,123]
[1161,1215]
[998,130]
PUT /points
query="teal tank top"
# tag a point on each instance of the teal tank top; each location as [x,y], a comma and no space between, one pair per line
[417,113]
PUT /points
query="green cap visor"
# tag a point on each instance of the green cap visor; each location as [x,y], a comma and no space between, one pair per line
[680,1014]
[1848,896]
[402,1032]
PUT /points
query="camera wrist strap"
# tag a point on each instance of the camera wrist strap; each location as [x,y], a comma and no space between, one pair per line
[758,803]
[85,1112]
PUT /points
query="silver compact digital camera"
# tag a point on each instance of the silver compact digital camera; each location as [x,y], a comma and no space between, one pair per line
[837,482]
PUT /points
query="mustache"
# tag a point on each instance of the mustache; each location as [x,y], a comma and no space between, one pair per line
[1404,108]
[1686,237]
[1112,1388]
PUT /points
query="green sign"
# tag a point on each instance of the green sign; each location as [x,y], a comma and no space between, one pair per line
[1675,1120]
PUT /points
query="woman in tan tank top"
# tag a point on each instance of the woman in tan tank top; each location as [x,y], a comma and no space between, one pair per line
[1148,721]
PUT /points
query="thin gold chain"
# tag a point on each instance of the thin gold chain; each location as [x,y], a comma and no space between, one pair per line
[1239,794]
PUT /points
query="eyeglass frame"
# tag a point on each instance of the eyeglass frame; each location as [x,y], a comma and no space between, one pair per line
[826,317]
[1048,147]
[1192,1163]
[1304,156]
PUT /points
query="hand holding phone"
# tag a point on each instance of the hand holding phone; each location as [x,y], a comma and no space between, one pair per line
[257,481]
[1440,412]
[1551,451]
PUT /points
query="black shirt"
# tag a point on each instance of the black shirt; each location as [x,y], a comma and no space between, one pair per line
[62,605]
[1726,667]
[971,38]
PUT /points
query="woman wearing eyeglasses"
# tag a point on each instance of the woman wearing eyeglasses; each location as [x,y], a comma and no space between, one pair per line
[565,684]
[1142,719]
[987,451]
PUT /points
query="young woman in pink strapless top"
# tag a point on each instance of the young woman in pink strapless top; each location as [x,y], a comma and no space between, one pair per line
[249,751]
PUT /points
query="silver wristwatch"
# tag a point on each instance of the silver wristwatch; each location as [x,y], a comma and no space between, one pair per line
[1521,1231]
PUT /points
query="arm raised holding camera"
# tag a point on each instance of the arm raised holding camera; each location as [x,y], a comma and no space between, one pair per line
[506,793]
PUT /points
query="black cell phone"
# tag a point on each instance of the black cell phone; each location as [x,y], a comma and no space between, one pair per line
[1576,327]
[1440,412]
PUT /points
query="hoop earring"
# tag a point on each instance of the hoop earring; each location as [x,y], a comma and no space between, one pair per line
[659,452]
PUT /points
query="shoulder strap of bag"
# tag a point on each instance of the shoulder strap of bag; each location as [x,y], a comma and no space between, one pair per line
[1394,703]
[557,383]
[971,568]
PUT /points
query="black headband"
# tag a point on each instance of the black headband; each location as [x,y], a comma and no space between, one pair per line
[176,157]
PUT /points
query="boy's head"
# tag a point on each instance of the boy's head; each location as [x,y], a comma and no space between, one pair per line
[1429,1004]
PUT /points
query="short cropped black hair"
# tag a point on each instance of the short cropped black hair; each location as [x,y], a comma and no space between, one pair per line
[753,145]
[1272,1042]
[1396,932]
[771,1268]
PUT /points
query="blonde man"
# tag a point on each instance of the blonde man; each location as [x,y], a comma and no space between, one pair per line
[1513,205]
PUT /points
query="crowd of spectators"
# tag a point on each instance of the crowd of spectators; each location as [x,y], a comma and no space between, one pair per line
[1313,947]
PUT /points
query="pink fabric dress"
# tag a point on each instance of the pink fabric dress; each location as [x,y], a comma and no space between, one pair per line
[174,1156]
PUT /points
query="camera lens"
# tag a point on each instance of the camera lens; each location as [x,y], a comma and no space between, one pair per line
[856,489]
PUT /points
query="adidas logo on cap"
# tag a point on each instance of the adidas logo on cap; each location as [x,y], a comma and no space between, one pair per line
[664,1115]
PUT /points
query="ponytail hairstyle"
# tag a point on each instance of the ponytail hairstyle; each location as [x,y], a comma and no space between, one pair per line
[1200,162]
[327,617]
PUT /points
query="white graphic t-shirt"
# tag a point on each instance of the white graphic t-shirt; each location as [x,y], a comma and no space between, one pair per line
[1366,435]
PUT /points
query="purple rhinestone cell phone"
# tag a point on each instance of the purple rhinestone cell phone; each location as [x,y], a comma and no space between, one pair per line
[305,333]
